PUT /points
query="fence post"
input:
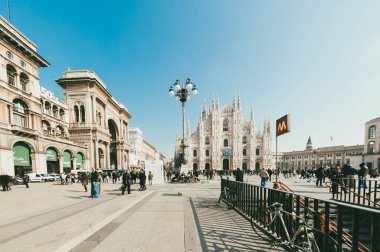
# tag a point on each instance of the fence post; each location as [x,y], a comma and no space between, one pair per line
[355,231]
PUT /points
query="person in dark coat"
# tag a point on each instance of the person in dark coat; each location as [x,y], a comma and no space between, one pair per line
[319,173]
[239,175]
[142,178]
[126,183]
[26,180]
[349,174]
[94,184]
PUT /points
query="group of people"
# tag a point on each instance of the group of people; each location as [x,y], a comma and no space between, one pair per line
[264,174]
[6,181]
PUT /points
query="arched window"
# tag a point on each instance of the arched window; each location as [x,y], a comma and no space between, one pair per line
[225,143]
[207,153]
[60,131]
[244,140]
[257,152]
[244,152]
[76,112]
[19,113]
[372,132]
[83,114]
[55,111]
[24,80]
[11,74]
[194,153]
[225,125]
[61,113]
[47,108]
[46,127]
[207,140]
[371,147]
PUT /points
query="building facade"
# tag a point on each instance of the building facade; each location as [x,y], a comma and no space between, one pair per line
[372,143]
[225,140]
[41,133]
[33,122]
[310,158]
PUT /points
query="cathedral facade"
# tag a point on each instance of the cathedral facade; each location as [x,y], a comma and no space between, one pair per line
[224,140]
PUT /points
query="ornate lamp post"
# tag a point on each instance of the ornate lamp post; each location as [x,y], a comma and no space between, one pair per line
[182,94]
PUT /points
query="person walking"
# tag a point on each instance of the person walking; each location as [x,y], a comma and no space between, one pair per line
[264,177]
[319,173]
[94,184]
[25,180]
[239,175]
[126,183]
[150,178]
[270,172]
[3,181]
[84,180]
[142,178]
[362,173]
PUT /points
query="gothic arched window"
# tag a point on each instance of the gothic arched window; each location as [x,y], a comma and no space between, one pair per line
[372,132]
[207,153]
[244,140]
[257,152]
[225,142]
[83,114]
[244,152]
[225,125]
[194,153]
[76,112]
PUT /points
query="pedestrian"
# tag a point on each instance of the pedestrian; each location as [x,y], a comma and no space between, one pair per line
[142,178]
[84,180]
[25,180]
[114,177]
[94,184]
[3,181]
[264,177]
[349,175]
[319,173]
[362,173]
[239,175]
[126,183]
[150,177]
[67,178]
[270,172]
[373,172]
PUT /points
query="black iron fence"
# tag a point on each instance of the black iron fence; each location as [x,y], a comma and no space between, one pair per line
[352,228]
[364,192]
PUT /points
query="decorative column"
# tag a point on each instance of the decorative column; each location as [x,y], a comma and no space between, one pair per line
[96,152]
[108,156]
[93,109]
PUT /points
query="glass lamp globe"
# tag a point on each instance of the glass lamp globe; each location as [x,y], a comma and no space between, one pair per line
[171,92]
[195,91]
[177,85]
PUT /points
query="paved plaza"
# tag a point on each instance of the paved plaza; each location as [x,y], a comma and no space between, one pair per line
[167,217]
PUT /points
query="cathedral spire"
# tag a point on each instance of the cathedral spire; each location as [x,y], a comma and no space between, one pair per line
[234,103]
[309,144]
[238,106]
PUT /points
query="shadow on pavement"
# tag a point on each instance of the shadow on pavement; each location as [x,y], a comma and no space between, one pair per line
[221,229]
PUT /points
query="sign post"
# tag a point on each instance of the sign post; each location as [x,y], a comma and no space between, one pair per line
[282,127]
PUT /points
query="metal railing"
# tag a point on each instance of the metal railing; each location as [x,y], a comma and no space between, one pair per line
[365,192]
[354,228]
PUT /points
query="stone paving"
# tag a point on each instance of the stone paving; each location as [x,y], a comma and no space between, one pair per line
[167,217]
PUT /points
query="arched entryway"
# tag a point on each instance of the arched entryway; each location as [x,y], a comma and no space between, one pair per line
[113,150]
[257,167]
[79,164]
[101,158]
[226,164]
[195,167]
[22,158]
[207,166]
[67,161]
[52,161]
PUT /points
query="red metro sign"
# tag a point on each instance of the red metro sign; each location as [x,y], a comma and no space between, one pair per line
[283,125]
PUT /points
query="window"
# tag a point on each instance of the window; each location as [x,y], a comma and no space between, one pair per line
[244,152]
[207,153]
[372,132]
[60,131]
[9,55]
[225,143]
[45,127]
[76,112]
[299,157]
[11,74]
[299,162]
[244,140]
[47,108]
[24,80]
[305,162]
[99,117]
[19,113]
[83,114]
[207,140]
[225,125]
[61,113]
[371,147]
[257,152]
[329,155]
[194,153]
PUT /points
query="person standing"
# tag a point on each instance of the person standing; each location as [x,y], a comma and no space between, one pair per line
[264,177]
[25,180]
[239,175]
[94,184]
[84,180]
[150,177]
[319,173]
[126,183]
[349,175]
[362,173]
[142,178]
[270,172]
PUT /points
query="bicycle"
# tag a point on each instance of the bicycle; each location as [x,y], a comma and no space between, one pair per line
[230,197]
[303,238]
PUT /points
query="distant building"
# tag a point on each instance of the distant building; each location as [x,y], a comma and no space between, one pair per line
[225,140]
[372,143]
[312,158]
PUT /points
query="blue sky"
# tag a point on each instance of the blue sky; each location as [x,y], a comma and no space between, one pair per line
[316,60]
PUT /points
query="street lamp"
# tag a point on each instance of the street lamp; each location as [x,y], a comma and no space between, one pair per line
[182,94]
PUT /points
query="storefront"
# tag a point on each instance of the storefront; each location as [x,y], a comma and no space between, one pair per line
[22,159]
[67,161]
[52,161]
